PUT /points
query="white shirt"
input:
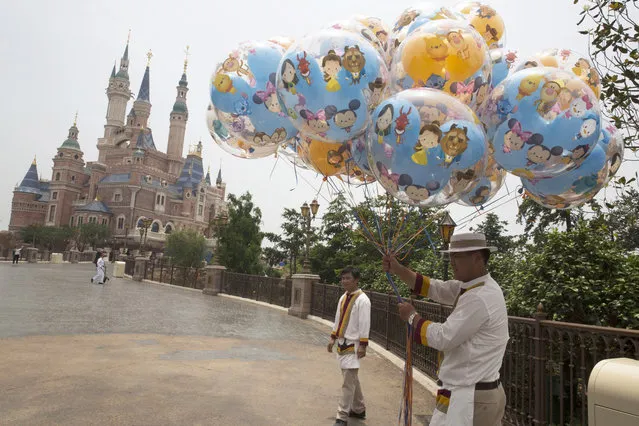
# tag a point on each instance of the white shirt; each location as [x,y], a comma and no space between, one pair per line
[100,263]
[474,336]
[359,322]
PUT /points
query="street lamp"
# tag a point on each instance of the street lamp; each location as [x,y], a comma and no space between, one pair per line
[126,238]
[446,229]
[308,213]
[218,222]
[144,230]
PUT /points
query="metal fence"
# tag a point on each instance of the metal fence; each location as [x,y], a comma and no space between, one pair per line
[275,291]
[162,270]
[546,365]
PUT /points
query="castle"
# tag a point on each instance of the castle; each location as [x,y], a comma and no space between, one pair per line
[131,180]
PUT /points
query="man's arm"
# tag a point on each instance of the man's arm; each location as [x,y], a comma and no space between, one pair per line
[364,326]
[331,342]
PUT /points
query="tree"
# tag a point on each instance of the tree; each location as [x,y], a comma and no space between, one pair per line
[495,230]
[623,219]
[539,219]
[293,238]
[31,234]
[186,248]
[241,239]
[91,234]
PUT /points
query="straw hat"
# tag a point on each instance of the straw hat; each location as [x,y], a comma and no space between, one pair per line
[470,241]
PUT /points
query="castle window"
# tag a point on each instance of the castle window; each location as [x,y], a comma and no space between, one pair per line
[76,156]
[157,201]
[51,213]
[117,197]
[155,227]
[162,200]
[54,195]
[72,220]
[200,210]
[120,223]
[104,221]
[80,220]
[168,229]
[72,178]
[201,198]
[61,154]
[57,176]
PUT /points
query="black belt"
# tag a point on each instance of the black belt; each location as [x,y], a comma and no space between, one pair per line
[481,385]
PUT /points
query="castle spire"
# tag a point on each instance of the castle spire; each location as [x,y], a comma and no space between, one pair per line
[113,71]
[207,179]
[34,162]
[124,61]
[218,181]
[145,90]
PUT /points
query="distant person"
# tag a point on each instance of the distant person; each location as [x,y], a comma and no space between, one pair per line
[16,255]
[472,339]
[100,268]
[350,331]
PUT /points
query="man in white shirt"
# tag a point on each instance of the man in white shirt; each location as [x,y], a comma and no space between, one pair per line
[473,338]
[351,328]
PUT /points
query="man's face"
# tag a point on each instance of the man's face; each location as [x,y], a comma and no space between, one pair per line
[349,282]
[464,264]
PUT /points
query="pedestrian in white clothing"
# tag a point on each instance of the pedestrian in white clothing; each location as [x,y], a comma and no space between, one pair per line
[350,331]
[473,338]
[100,269]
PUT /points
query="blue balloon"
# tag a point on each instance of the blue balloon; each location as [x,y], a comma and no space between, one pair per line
[532,133]
[413,156]
[501,65]
[329,82]
[573,188]
[611,140]
[244,95]
[359,154]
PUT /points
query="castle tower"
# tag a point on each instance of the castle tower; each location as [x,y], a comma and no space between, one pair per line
[142,105]
[179,117]
[67,181]
[28,207]
[119,94]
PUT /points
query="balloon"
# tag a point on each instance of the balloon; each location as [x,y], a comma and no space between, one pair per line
[443,54]
[502,61]
[566,60]
[541,122]
[327,158]
[419,139]
[573,188]
[284,42]
[381,31]
[329,82]
[289,150]
[611,141]
[230,143]
[359,153]
[485,20]
[244,95]
[357,27]
[486,186]
[414,17]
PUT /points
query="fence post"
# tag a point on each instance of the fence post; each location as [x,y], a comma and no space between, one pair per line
[388,299]
[540,409]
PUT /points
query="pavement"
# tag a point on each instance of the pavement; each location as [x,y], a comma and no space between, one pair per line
[130,353]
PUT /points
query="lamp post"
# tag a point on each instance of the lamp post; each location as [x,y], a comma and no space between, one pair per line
[218,222]
[144,230]
[126,238]
[446,229]
[308,213]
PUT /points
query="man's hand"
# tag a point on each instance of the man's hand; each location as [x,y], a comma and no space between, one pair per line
[331,343]
[361,352]
[405,309]
[390,264]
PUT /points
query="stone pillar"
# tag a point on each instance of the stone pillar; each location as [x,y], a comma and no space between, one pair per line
[56,258]
[301,293]
[140,267]
[214,279]
[74,256]
[31,254]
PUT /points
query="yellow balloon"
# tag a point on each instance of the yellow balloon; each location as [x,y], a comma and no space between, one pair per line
[327,158]
[486,21]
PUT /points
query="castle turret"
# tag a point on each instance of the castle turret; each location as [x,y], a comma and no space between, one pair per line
[142,105]
[29,201]
[178,118]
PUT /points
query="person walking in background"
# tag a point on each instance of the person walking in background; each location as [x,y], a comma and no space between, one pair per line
[473,338]
[350,331]
[100,268]
[16,255]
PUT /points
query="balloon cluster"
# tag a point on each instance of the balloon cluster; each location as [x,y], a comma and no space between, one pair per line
[434,108]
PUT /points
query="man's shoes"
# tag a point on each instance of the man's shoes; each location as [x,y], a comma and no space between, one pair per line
[91,279]
[361,415]
[339,422]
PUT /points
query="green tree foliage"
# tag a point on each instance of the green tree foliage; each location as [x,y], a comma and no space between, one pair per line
[91,234]
[623,219]
[49,237]
[290,245]
[186,248]
[495,231]
[241,238]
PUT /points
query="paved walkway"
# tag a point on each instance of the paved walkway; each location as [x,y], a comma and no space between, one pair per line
[76,353]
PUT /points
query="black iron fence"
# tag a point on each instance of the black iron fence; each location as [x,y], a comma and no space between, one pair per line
[275,291]
[546,365]
[162,270]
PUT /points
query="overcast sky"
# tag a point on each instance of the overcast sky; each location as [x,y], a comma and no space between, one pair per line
[57,58]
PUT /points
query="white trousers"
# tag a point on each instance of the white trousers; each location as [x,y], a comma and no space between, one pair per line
[99,276]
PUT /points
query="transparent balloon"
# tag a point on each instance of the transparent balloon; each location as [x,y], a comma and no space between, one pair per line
[329,82]
[359,153]
[244,95]
[284,42]
[611,141]
[326,158]
[289,150]
[486,186]
[566,60]
[419,139]
[541,122]
[445,55]
[381,31]
[356,26]
[503,61]
[230,143]
[486,21]
[573,188]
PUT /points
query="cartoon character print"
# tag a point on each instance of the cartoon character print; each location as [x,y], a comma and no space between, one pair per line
[304,66]
[486,12]
[578,154]
[336,157]
[354,61]
[401,123]
[579,107]
[435,81]
[461,180]
[233,64]
[289,76]
[346,118]
[481,195]
[331,65]
[223,83]
[511,58]
[463,92]
[436,48]
[481,93]
[615,163]
[588,128]
[582,67]
[391,181]
[516,138]
[505,107]
[548,97]
[432,113]
[375,92]
[528,86]
[454,143]
[430,136]
[540,155]
[220,130]
[458,43]
[491,36]
[317,122]
[269,97]
[584,184]
[405,19]
[241,107]
[383,122]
